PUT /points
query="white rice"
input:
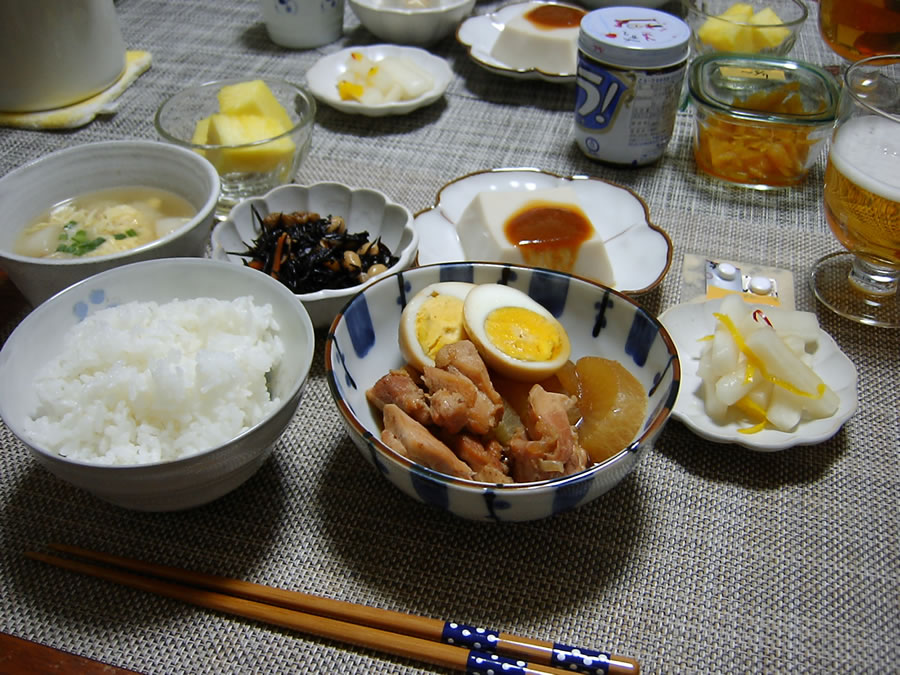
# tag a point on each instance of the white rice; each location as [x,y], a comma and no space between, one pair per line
[145,382]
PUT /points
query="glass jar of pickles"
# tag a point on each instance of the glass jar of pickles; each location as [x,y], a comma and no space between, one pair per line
[760,121]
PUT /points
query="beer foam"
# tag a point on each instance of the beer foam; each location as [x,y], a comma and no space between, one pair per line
[867,151]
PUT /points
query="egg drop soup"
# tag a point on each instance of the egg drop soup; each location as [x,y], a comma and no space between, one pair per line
[104,222]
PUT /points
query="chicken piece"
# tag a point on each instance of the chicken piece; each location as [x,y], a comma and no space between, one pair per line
[551,448]
[420,445]
[437,378]
[491,474]
[449,410]
[483,414]
[464,357]
[486,459]
[390,440]
[399,388]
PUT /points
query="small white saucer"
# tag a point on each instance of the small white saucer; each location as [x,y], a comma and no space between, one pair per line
[689,322]
[640,252]
[323,78]
[479,33]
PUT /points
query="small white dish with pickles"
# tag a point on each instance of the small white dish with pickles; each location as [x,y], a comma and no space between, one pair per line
[487,216]
[379,80]
[763,377]
[525,40]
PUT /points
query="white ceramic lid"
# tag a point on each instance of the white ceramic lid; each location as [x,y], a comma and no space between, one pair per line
[638,37]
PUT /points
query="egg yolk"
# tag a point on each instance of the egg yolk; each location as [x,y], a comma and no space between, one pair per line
[439,322]
[523,334]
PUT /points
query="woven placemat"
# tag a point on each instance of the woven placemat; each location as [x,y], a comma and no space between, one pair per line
[707,558]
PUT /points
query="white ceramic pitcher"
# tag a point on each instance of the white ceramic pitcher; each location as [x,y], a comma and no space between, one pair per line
[57,52]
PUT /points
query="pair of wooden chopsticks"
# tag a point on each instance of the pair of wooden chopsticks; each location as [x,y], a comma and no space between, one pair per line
[444,644]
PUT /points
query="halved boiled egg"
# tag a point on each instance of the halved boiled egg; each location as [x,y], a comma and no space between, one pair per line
[432,319]
[515,335]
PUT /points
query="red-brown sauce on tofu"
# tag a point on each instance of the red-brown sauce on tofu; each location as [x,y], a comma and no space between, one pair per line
[549,234]
[555,16]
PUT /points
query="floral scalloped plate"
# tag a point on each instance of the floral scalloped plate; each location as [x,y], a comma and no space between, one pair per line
[478,34]
[640,252]
[323,77]
[688,323]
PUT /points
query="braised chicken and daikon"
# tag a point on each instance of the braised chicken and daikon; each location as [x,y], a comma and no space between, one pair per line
[490,394]
[104,222]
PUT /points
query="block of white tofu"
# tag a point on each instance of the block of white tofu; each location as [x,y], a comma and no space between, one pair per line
[521,44]
[482,233]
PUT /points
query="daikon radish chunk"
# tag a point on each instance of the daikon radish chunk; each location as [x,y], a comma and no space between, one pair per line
[788,322]
[826,406]
[394,94]
[714,406]
[781,363]
[723,357]
[761,394]
[785,409]
[740,314]
[796,344]
[371,96]
[732,387]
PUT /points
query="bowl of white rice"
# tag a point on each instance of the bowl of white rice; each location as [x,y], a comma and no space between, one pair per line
[160,385]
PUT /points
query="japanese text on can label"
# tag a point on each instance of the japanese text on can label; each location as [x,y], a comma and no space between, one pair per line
[625,116]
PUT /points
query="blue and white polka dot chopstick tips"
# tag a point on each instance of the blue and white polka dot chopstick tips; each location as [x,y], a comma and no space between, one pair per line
[447,644]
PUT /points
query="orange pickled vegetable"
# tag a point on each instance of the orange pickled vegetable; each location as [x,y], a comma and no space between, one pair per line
[741,151]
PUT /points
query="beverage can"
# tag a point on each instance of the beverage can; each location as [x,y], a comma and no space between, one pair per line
[631,67]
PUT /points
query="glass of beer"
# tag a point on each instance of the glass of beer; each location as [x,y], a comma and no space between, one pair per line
[862,197]
[856,29]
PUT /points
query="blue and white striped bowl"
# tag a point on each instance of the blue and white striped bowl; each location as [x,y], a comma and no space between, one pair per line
[362,346]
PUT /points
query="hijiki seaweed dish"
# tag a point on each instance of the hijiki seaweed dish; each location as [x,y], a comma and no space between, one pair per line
[309,253]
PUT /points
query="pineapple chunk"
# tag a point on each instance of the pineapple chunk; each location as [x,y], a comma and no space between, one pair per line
[201,133]
[735,30]
[772,34]
[253,98]
[725,32]
[229,129]
[740,11]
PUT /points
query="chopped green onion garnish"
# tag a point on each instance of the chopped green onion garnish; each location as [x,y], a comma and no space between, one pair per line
[79,244]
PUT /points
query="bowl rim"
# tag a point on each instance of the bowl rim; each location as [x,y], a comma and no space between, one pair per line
[648,433]
[441,9]
[210,84]
[50,306]
[203,213]
[691,6]
[828,85]
[406,256]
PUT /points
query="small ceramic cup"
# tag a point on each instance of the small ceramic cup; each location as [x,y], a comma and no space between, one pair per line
[302,24]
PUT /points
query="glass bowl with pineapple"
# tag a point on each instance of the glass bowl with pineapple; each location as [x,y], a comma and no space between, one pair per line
[767,27]
[256,132]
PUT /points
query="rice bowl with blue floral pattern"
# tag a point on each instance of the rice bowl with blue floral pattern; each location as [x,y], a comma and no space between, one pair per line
[363,345]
